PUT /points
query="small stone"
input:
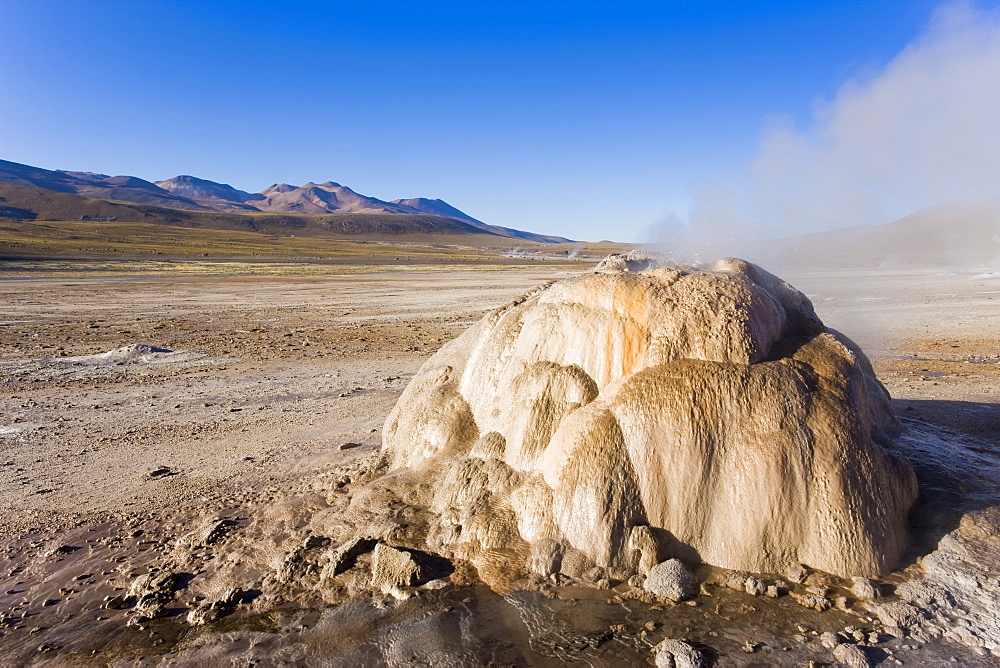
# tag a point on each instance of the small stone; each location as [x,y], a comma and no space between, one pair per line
[851,655]
[754,586]
[393,569]
[829,640]
[671,579]
[346,555]
[651,625]
[736,580]
[817,603]
[796,573]
[865,590]
[677,654]
[818,590]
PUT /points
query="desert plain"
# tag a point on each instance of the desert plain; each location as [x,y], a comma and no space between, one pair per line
[151,409]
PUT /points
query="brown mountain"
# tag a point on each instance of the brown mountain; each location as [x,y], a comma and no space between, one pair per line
[196,194]
[89,184]
[30,203]
[210,193]
[326,197]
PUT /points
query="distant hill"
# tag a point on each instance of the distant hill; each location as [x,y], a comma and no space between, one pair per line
[439,207]
[326,197]
[37,204]
[209,192]
[191,193]
[127,188]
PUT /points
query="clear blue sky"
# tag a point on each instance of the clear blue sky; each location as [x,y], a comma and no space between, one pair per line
[586,120]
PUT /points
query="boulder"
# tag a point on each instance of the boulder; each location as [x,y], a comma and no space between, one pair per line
[649,411]
[851,655]
[865,590]
[393,570]
[677,654]
[671,579]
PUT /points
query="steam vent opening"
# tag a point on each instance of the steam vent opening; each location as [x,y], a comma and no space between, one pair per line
[642,413]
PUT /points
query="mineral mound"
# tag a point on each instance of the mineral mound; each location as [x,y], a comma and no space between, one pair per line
[639,413]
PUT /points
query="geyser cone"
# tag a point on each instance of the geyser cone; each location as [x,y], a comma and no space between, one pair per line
[623,417]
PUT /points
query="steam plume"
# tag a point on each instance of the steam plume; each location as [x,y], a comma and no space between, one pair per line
[919,132]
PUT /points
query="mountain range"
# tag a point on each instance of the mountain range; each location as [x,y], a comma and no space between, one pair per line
[196,194]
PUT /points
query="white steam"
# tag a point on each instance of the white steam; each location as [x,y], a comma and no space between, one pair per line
[922,131]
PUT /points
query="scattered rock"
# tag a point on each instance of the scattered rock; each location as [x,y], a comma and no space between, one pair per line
[851,655]
[817,603]
[301,562]
[735,580]
[829,640]
[151,592]
[393,569]
[643,539]
[755,586]
[897,614]
[796,573]
[865,590]
[671,579]
[346,555]
[61,550]
[216,530]
[210,611]
[113,602]
[677,654]
[162,472]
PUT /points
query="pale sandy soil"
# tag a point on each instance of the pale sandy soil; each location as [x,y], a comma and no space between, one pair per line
[272,375]
[283,371]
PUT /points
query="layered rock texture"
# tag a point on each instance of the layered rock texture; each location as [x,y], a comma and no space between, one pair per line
[640,413]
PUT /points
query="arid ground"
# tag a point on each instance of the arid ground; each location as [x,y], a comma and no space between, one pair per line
[137,406]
